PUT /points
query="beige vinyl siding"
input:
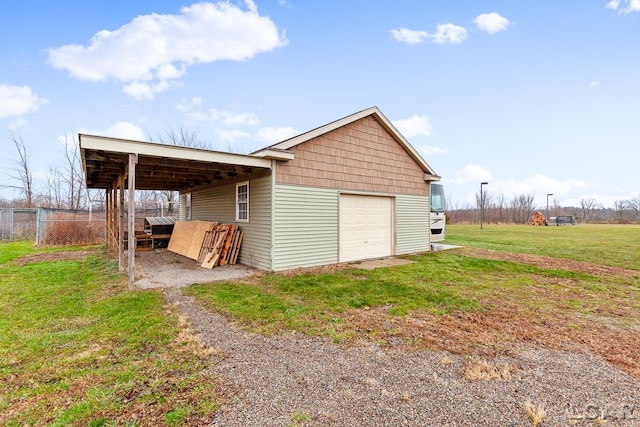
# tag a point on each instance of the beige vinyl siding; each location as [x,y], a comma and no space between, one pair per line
[182,209]
[306,226]
[218,204]
[412,224]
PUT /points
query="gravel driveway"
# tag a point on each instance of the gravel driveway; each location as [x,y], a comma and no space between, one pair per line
[293,379]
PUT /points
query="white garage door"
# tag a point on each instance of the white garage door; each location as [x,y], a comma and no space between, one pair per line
[365,227]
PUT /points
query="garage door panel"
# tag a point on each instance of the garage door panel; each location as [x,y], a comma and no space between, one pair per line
[365,227]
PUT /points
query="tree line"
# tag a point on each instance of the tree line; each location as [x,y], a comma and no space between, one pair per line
[497,208]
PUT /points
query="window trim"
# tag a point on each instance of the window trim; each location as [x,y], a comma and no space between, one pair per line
[238,185]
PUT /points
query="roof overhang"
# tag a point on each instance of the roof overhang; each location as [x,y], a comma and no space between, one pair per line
[274,154]
[163,167]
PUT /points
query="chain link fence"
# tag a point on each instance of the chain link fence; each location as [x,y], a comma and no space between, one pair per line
[63,227]
[66,227]
[17,224]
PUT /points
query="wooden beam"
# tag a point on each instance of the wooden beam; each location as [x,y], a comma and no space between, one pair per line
[121,222]
[133,158]
[107,212]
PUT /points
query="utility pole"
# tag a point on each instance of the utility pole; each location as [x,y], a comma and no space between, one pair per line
[549,194]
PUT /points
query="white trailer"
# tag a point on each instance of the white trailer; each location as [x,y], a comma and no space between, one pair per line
[438,215]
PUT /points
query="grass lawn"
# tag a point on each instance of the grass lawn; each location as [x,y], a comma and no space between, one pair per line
[608,244]
[461,303]
[78,348]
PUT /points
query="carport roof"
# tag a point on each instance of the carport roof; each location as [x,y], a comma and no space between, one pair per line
[162,167]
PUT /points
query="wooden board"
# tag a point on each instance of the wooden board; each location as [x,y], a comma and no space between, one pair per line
[187,238]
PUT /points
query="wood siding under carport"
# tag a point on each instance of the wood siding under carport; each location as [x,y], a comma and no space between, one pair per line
[219,204]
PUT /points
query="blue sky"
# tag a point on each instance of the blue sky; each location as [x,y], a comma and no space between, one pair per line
[534,97]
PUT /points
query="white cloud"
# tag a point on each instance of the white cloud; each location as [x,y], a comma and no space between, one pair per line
[274,135]
[414,126]
[123,130]
[445,33]
[18,100]
[230,135]
[624,6]
[613,4]
[594,83]
[152,51]
[228,118]
[449,33]
[189,104]
[472,173]
[408,36]
[429,149]
[492,22]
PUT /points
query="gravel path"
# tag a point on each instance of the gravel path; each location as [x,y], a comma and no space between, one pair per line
[165,269]
[293,379]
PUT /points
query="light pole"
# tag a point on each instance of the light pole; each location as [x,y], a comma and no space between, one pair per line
[549,194]
[482,203]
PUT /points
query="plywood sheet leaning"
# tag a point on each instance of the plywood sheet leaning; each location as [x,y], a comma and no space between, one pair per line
[187,238]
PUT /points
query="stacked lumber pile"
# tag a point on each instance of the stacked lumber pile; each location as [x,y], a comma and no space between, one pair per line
[221,245]
[209,243]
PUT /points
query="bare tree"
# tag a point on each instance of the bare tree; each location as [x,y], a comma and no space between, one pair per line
[502,207]
[588,207]
[72,174]
[521,208]
[55,188]
[484,205]
[182,138]
[634,205]
[22,172]
[619,206]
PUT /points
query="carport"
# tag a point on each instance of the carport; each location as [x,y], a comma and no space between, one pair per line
[121,166]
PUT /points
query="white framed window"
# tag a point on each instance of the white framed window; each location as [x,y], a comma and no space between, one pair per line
[242,201]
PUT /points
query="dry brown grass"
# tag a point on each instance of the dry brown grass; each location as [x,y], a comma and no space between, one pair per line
[479,369]
[535,412]
[189,340]
[72,229]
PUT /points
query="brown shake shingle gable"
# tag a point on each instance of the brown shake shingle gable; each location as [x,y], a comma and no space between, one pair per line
[373,112]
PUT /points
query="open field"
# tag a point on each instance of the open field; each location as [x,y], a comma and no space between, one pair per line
[78,348]
[608,244]
[461,301]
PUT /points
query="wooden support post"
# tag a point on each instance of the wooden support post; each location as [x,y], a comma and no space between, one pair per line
[112,219]
[133,159]
[106,219]
[121,222]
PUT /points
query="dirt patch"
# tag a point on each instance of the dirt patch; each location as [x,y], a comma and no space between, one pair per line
[55,256]
[550,262]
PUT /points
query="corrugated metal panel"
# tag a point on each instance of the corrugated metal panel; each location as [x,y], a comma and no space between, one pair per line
[218,204]
[306,227]
[412,224]
[159,220]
